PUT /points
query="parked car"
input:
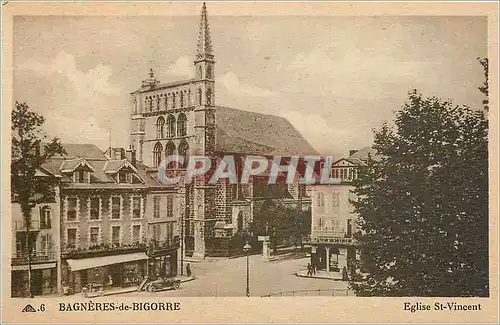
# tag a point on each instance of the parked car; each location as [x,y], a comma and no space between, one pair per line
[163,284]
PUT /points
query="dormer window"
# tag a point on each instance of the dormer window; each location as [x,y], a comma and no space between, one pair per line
[81,176]
[124,177]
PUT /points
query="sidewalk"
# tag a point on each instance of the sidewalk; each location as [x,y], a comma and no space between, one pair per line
[117,291]
[336,276]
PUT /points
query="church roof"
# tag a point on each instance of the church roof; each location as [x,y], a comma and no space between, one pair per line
[247,132]
[82,150]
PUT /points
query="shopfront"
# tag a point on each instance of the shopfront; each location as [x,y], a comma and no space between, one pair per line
[162,264]
[102,273]
[43,280]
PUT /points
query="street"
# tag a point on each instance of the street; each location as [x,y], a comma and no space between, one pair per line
[227,278]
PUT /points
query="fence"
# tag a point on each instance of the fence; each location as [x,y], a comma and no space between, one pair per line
[312,293]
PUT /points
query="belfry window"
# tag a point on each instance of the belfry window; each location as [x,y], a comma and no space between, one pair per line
[157,150]
[183,153]
[209,72]
[209,96]
[170,126]
[181,125]
[160,126]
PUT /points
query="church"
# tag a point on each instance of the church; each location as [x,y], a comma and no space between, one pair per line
[182,118]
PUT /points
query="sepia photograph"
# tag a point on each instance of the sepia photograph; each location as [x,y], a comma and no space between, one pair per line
[195,151]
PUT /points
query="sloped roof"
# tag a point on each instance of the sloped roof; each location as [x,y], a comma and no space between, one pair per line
[85,150]
[363,153]
[114,165]
[255,133]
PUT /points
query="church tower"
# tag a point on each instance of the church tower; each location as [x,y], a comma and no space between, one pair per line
[204,210]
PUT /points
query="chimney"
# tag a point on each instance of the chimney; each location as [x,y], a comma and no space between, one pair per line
[130,155]
[352,152]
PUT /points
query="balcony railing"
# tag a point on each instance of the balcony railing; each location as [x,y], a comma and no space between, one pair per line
[21,257]
[328,239]
[21,225]
[156,246]
[70,251]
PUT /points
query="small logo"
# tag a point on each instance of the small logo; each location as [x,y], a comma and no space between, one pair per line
[29,309]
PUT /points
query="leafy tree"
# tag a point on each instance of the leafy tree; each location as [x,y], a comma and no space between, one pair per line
[423,204]
[29,188]
[484,88]
[280,221]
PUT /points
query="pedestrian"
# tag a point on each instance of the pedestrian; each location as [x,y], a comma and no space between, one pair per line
[313,268]
[309,271]
[188,269]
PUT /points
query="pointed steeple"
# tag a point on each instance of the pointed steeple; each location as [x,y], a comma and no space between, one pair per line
[204,48]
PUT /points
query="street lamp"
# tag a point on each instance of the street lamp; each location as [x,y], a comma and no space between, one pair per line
[247,249]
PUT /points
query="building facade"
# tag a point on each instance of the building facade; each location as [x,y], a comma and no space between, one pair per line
[43,233]
[117,225]
[182,118]
[333,221]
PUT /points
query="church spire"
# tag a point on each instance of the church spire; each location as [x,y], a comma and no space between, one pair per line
[204,48]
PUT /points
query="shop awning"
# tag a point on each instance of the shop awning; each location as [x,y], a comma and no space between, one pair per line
[89,263]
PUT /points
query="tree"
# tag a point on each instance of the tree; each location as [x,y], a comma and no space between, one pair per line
[280,221]
[423,204]
[484,88]
[29,188]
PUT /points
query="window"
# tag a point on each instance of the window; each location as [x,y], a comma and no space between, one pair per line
[173,100]
[320,222]
[321,199]
[124,177]
[170,231]
[94,235]
[170,207]
[156,232]
[136,207]
[71,235]
[183,153]
[45,218]
[209,72]
[115,235]
[181,125]
[81,176]
[95,204]
[200,96]
[200,72]
[157,156]
[116,203]
[136,234]
[349,228]
[157,103]
[165,101]
[209,96]
[182,99]
[336,199]
[45,244]
[170,126]
[160,126]
[72,205]
[135,106]
[151,104]
[170,149]
[156,207]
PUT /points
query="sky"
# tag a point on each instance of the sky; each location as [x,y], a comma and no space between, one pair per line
[335,78]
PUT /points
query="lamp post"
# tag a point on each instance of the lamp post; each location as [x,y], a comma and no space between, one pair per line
[247,249]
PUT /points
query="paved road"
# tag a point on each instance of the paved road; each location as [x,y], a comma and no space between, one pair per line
[227,278]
